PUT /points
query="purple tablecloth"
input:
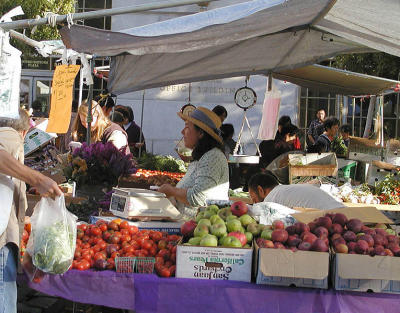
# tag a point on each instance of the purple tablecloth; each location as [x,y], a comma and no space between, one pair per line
[149,293]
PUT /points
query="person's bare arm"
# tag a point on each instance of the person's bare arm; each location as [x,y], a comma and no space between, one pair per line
[44,185]
[179,194]
[311,138]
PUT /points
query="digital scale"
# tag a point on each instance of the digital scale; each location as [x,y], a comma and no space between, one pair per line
[143,204]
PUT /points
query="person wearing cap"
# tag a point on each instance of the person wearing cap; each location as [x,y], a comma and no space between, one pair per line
[207,176]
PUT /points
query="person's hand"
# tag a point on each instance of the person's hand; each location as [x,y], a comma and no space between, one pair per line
[167,189]
[47,187]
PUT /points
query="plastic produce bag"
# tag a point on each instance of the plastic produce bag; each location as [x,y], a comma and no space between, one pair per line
[268,212]
[53,238]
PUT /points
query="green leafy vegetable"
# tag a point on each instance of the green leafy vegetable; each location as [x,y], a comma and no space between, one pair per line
[54,248]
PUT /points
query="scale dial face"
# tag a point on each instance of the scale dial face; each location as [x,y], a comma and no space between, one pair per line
[245,97]
[187,109]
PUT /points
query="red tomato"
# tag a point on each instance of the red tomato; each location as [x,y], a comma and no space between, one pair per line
[172,270]
[95,231]
[99,255]
[129,249]
[173,250]
[78,242]
[160,260]
[85,238]
[115,239]
[83,227]
[133,229]
[79,233]
[146,244]
[124,225]
[126,238]
[103,227]
[79,266]
[114,226]
[77,254]
[124,231]
[168,264]
[173,257]
[99,222]
[165,272]
[86,245]
[86,257]
[153,251]
[110,264]
[164,253]
[134,244]
[115,254]
[96,248]
[85,264]
[107,234]
[173,238]
[162,244]
[156,236]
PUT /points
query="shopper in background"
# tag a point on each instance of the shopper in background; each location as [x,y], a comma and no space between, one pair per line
[102,129]
[287,141]
[136,139]
[264,187]
[207,176]
[106,103]
[324,141]
[221,112]
[345,131]
[316,127]
[227,132]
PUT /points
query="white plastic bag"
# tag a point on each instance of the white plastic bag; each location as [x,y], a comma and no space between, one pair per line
[6,196]
[53,237]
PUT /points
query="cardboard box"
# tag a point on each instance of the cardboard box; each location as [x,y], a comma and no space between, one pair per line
[219,263]
[34,199]
[367,214]
[286,268]
[304,168]
[169,227]
[362,273]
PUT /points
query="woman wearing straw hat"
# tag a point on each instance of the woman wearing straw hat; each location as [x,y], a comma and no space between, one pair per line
[207,176]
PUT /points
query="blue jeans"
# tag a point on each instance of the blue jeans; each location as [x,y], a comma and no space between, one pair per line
[8,279]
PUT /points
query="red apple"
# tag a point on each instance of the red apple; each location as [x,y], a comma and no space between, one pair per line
[341,248]
[239,208]
[319,245]
[278,225]
[321,232]
[240,236]
[354,225]
[279,235]
[361,247]
[187,228]
[309,237]
[339,218]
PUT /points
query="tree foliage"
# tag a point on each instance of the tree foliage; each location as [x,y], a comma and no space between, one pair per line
[34,8]
[376,64]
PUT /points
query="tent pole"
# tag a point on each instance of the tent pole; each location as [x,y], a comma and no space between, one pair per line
[90,98]
[141,125]
[353,117]
[80,87]
[100,13]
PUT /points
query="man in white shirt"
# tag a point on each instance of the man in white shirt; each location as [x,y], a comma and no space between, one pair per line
[265,187]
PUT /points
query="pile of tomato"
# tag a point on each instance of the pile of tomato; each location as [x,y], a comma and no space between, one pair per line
[25,237]
[98,245]
[148,173]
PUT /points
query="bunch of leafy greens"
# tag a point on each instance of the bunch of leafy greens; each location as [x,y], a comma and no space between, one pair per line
[388,189]
[54,248]
[338,146]
[167,163]
[98,163]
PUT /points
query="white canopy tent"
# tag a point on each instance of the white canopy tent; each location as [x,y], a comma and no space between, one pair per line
[256,37]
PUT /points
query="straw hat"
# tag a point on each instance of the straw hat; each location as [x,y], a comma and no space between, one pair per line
[206,119]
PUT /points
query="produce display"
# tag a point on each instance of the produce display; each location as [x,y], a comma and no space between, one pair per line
[161,163]
[154,178]
[238,193]
[44,159]
[388,189]
[98,246]
[359,194]
[226,227]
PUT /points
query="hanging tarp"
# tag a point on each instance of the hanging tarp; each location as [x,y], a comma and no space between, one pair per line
[256,37]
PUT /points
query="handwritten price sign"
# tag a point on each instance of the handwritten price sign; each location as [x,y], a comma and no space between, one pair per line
[61,98]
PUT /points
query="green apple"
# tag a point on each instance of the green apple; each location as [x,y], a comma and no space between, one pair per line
[209,241]
[234,225]
[199,216]
[246,219]
[266,234]
[218,229]
[249,236]
[360,234]
[254,229]
[216,219]
[246,246]
[201,230]
[195,241]
[213,207]
[231,217]
[242,230]
[221,240]
[208,214]
[204,221]
[224,213]
[230,241]
[381,225]
[264,227]
[390,231]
